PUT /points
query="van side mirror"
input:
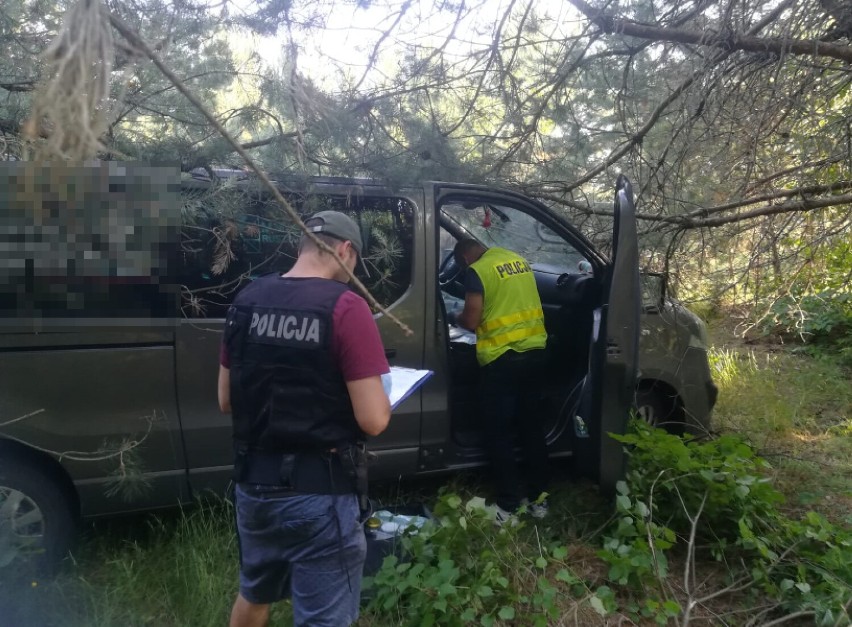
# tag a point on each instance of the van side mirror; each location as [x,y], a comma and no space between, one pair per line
[654,291]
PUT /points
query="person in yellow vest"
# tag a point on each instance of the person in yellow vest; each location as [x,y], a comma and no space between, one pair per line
[503,307]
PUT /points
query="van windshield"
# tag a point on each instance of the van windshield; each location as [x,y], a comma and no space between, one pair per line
[507,227]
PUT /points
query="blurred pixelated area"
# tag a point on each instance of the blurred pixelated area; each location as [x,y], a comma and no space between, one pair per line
[81,243]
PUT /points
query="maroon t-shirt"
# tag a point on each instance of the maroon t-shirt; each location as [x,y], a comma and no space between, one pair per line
[355,344]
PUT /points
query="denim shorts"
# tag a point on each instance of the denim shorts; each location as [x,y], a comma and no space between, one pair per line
[310,547]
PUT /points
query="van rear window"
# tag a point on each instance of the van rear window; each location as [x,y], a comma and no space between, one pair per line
[232,234]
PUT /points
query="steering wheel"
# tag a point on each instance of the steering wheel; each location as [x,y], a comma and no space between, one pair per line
[449,271]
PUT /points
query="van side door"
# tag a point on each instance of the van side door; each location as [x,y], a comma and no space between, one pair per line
[613,365]
[568,272]
[243,233]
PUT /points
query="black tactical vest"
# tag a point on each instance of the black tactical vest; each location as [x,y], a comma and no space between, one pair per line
[287,393]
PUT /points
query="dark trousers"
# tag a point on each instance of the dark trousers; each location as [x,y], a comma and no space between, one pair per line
[510,404]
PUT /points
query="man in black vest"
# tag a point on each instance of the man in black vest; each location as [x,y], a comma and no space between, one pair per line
[301,374]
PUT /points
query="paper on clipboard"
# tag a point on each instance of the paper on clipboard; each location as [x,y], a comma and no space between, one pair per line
[404,381]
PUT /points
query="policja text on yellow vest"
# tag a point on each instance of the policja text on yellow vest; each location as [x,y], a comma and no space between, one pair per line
[512,316]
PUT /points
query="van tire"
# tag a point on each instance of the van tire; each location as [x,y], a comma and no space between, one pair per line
[36,517]
[659,409]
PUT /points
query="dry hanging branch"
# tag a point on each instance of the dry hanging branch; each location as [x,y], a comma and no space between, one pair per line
[70,111]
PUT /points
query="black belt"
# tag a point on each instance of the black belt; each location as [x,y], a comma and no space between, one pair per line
[311,472]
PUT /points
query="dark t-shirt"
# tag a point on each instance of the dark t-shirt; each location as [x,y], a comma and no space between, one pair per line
[472,282]
[355,344]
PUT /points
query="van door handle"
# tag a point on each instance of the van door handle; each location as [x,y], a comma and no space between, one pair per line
[390,353]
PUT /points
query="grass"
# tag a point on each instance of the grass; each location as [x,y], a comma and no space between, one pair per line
[180,568]
[797,410]
[173,569]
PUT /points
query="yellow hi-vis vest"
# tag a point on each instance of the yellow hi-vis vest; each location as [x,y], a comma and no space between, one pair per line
[512,317]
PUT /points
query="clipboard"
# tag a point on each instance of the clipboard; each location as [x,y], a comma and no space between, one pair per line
[404,382]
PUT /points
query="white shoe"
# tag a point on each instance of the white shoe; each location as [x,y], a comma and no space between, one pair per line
[503,517]
[539,510]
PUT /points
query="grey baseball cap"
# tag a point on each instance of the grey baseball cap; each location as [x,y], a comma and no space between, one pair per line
[339,226]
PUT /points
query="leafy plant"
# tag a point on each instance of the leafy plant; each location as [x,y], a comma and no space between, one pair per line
[460,569]
[679,474]
[814,307]
[823,317]
[715,497]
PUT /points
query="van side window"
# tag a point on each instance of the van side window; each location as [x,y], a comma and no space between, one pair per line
[509,227]
[231,236]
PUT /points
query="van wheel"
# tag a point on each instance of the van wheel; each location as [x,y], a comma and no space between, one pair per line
[659,409]
[37,522]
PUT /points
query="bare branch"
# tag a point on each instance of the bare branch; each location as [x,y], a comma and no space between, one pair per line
[722,40]
[794,169]
[690,556]
[783,193]
[688,221]
[24,417]
[127,445]
[385,34]
[280,137]
[768,210]
[673,96]
[789,617]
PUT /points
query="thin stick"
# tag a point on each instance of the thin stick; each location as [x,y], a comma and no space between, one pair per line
[690,558]
[139,43]
[789,617]
[19,418]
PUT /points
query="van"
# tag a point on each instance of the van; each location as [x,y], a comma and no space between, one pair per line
[102,412]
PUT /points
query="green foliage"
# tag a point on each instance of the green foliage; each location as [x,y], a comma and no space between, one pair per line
[461,569]
[715,497]
[682,475]
[823,318]
[175,568]
[800,410]
[778,392]
[635,546]
[186,567]
[816,305]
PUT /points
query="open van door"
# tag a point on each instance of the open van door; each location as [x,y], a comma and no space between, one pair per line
[611,381]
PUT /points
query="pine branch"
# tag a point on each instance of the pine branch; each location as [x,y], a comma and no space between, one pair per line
[768,210]
[139,43]
[279,137]
[723,40]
